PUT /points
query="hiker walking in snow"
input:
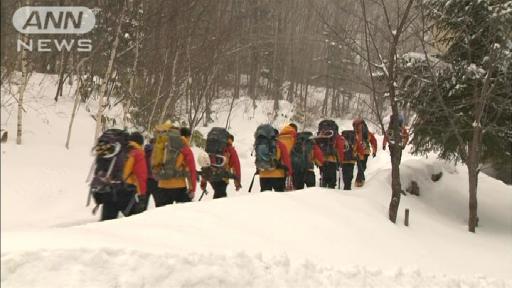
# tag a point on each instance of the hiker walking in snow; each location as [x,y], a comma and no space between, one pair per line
[222,162]
[353,150]
[129,196]
[288,136]
[388,138]
[151,183]
[173,165]
[369,143]
[304,155]
[332,146]
[272,159]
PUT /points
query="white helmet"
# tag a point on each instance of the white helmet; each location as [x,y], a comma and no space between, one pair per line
[203,159]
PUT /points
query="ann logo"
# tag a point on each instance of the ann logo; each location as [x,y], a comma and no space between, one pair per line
[53,20]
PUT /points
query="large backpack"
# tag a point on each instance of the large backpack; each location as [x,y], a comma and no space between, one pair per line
[326,137]
[265,147]
[216,143]
[350,140]
[301,152]
[111,152]
[365,134]
[165,155]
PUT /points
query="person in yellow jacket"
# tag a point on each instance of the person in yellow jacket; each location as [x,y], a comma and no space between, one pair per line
[180,188]
[273,178]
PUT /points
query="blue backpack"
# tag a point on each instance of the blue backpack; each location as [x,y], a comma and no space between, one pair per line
[265,147]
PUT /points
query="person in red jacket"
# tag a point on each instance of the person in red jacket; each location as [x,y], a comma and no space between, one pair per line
[403,133]
[232,166]
[135,176]
[369,144]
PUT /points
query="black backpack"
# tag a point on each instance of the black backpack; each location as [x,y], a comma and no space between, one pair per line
[350,140]
[301,153]
[111,153]
[326,137]
[365,132]
[216,143]
[265,147]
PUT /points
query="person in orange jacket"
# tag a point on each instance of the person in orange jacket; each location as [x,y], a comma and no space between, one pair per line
[369,144]
[276,178]
[288,136]
[403,132]
[135,177]
[232,166]
[178,189]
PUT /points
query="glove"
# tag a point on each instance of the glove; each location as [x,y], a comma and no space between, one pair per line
[203,185]
[237,185]
[374,154]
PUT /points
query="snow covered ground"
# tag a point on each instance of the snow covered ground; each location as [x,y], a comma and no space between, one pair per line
[310,238]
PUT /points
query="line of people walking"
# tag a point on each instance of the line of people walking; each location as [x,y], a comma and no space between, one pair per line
[126,172]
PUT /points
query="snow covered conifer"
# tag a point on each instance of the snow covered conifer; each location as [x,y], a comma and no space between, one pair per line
[463,99]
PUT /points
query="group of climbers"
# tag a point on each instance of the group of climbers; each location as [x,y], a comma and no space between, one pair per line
[126,172]
[285,159]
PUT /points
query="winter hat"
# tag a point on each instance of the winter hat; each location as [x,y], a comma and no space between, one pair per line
[137,138]
[185,132]
[357,121]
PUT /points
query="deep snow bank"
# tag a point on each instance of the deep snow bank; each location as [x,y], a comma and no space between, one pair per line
[311,238]
[128,268]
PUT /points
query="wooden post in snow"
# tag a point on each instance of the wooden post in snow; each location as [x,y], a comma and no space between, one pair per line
[406,220]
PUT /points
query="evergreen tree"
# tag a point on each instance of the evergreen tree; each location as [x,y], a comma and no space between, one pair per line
[463,100]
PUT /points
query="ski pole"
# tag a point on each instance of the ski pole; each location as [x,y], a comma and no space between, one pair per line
[89,196]
[205,192]
[252,181]
[339,178]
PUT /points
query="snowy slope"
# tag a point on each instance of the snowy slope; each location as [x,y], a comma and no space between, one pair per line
[311,238]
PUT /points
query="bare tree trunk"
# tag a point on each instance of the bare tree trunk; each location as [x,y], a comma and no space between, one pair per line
[159,90]
[173,89]
[131,89]
[305,104]
[395,149]
[75,105]
[106,79]
[472,165]
[326,99]
[275,77]
[230,110]
[21,91]
[62,68]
